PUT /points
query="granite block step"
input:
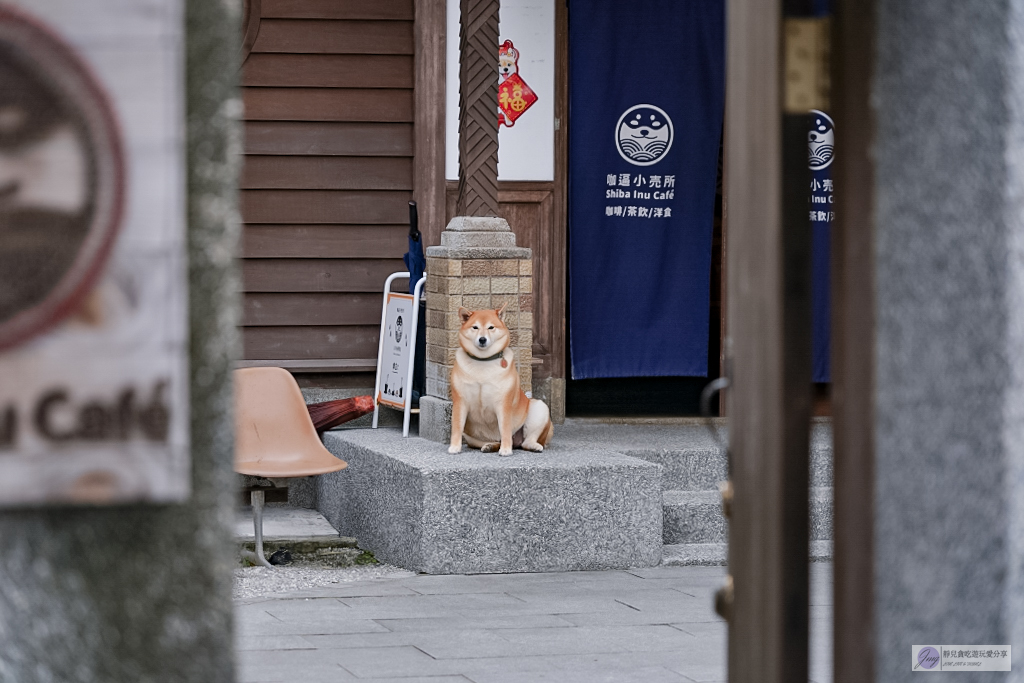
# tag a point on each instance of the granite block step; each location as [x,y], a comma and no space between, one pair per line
[416,506]
[690,450]
[695,517]
[713,554]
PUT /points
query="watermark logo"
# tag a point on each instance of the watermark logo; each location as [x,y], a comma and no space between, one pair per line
[927,658]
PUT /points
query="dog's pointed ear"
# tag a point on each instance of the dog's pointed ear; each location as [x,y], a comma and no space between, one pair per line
[501,312]
[464,313]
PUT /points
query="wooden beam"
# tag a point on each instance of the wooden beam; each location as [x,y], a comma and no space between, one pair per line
[429,107]
[251,16]
[478,109]
[559,227]
[853,333]
[769,328]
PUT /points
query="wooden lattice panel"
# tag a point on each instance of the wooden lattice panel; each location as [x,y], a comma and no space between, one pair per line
[478,97]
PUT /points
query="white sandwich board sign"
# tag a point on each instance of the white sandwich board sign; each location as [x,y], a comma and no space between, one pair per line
[94,405]
[397,339]
[396,350]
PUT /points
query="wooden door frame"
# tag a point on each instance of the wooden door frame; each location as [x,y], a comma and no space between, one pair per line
[853,338]
[429,28]
[560,231]
[252,11]
[769,275]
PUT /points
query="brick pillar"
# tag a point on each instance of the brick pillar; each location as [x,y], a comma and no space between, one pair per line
[477,266]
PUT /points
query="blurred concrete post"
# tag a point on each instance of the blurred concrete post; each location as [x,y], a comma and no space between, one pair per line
[143,593]
[949,377]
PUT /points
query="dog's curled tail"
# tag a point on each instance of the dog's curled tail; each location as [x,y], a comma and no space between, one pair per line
[548,433]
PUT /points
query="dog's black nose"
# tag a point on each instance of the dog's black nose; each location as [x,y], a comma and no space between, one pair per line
[481,341]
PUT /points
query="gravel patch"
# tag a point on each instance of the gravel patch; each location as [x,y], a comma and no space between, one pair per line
[257,582]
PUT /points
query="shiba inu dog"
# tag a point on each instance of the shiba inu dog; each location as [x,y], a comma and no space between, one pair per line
[489,408]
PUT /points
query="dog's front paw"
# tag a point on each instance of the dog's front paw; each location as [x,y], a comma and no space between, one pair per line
[455,449]
[504,451]
[536,448]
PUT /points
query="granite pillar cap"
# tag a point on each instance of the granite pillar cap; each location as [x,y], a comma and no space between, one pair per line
[477,238]
[478,224]
[472,253]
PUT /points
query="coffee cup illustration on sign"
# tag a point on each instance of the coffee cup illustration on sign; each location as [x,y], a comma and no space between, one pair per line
[61,179]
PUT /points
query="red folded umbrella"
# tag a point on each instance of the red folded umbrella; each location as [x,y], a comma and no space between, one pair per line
[333,413]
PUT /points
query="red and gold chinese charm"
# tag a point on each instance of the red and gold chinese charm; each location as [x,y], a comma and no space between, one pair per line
[514,95]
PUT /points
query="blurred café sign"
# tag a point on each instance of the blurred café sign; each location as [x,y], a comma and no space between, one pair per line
[94,405]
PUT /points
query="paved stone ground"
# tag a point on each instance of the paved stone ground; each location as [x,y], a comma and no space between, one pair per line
[642,625]
[283,521]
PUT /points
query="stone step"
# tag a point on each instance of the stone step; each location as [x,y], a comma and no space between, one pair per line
[304,533]
[695,517]
[691,456]
[711,554]
[416,506]
[284,521]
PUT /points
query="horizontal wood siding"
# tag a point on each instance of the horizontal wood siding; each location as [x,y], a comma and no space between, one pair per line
[328,71]
[322,341]
[329,139]
[305,308]
[324,206]
[393,10]
[328,92]
[323,241]
[317,275]
[327,104]
[320,36]
[327,173]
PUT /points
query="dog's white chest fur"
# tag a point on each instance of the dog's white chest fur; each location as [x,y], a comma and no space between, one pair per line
[484,385]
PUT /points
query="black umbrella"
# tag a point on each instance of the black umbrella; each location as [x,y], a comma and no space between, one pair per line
[416,263]
[414,259]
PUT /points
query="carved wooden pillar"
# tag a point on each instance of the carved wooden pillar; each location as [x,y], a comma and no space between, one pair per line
[478,103]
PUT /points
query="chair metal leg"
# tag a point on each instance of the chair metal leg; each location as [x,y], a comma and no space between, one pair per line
[257,500]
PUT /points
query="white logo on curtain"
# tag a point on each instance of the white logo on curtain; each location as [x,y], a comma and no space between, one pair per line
[644,134]
[820,141]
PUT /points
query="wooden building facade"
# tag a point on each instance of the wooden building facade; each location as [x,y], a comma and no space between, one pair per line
[345,122]
[331,160]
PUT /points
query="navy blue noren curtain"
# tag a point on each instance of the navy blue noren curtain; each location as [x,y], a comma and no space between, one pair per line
[820,140]
[822,213]
[647,88]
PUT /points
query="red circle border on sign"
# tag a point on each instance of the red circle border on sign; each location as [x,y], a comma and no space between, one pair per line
[102,126]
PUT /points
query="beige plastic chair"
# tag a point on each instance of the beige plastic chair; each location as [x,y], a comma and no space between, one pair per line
[274,436]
